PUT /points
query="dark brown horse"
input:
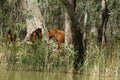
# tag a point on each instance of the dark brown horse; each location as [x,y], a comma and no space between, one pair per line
[58,35]
[10,36]
[37,34]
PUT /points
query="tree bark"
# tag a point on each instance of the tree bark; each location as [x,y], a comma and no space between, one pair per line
[77,36]
[34,18]
[68,33]
[102,29]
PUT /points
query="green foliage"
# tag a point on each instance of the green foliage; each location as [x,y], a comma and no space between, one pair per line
[102,59]
[40,56]
[11,17]
[37,57]
[52,13]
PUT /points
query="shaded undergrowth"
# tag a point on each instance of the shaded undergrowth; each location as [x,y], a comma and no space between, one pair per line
[40,57]
[100,60]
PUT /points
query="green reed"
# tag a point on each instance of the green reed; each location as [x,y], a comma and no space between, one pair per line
[99,60]
[102,60]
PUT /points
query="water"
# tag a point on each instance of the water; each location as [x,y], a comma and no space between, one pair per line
[30,75]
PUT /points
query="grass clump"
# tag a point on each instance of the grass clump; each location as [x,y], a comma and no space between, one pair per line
[102,60]
[40,57]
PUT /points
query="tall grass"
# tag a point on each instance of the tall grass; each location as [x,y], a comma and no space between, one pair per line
[100,60]
[39,56]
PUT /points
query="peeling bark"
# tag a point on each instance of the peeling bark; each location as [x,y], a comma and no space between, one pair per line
[34,18]
[68,33]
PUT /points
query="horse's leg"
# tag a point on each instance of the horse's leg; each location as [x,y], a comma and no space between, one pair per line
[59,44]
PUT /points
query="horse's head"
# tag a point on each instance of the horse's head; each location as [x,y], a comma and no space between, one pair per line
[39,30]
[39,33]
[51,33]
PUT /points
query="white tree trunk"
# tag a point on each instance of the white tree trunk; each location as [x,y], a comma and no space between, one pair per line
[85,24]
[68,33]
[34,18]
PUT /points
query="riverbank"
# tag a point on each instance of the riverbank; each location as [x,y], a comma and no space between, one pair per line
[100,60]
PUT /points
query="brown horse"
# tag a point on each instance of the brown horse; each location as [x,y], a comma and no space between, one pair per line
[10,36]
[58,35]
[37,34]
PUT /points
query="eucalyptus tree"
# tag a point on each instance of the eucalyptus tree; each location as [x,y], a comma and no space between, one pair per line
[77,35]
[34,18]
[68,31]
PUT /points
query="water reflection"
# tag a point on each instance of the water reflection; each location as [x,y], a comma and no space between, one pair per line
[83,77]
[28,75]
